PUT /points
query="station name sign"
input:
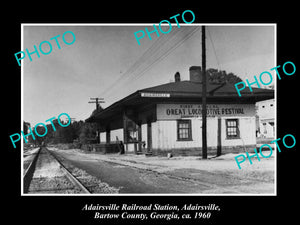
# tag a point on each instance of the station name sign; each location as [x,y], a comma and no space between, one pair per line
[178,111]
[155,95]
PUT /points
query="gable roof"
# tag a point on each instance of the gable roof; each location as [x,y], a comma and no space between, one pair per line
[224,89]
[187,91]
[182,86]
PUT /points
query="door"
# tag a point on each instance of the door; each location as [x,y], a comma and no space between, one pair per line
[149,136]
[139,136]
[107,135]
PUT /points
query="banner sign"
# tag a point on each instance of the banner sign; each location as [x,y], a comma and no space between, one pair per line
[178,111]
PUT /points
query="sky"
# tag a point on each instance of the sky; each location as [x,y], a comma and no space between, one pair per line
[106,61]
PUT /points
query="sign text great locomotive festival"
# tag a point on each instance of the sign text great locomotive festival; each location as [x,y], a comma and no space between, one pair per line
[177,111]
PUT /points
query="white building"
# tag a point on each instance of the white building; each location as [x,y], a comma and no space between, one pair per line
[167,118]
[266,118]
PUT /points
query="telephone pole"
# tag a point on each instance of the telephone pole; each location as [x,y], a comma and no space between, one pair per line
[204,129]
[97,101]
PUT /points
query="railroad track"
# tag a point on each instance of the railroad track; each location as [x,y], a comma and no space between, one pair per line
[46,174]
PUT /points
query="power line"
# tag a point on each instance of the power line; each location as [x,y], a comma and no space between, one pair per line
[145,56]
[169,51]
[150,57]
[153,58]
[142,61]
[156,48]
[214,50]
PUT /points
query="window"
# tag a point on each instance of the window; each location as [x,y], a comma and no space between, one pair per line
[265,128]
[232,128]
[184,130]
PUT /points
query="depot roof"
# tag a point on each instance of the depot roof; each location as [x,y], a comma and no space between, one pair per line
[184,91]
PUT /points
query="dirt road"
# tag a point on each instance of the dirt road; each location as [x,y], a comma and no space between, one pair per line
[132,176]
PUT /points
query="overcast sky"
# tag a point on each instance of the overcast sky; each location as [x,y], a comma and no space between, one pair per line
[64,80]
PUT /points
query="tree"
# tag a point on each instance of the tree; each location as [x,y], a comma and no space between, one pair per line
[78,130]
[88,133]
[76,126]
[220,76]
[40,130]
[97,110]
[26,126]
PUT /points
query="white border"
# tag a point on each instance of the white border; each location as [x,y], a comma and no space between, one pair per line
[150,24]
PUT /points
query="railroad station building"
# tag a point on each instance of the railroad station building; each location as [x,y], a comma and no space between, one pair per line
[167,118]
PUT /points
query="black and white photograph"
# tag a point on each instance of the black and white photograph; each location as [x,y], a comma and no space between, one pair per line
[124,110]
[150,114]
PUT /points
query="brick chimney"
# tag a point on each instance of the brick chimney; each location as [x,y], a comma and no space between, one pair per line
[195,74]
[177,77]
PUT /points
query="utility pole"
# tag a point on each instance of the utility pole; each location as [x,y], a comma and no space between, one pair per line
[204,129]
[97,101]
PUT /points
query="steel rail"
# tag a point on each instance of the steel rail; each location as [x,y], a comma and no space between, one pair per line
[29,172]
[69,175]
[27,178]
